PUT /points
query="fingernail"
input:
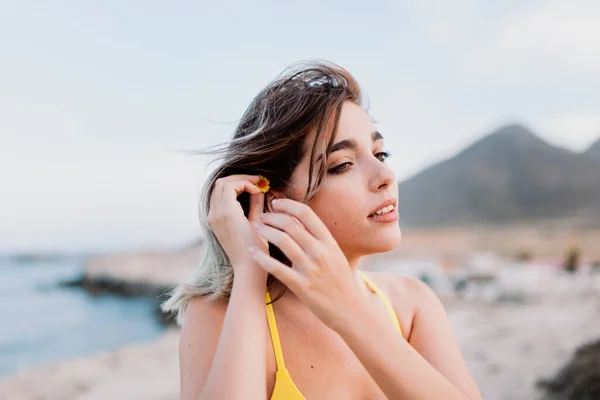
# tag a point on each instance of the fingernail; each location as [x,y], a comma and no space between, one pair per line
[252,250]
[275,201]
[258,225]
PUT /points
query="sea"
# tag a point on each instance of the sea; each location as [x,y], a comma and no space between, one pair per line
[44,321]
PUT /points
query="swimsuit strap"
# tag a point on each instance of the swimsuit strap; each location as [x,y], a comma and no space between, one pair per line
[274,333]
[375,289]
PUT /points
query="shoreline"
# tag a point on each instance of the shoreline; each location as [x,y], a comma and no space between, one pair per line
[509,346]
[111,286]
[120,374]
[147,274]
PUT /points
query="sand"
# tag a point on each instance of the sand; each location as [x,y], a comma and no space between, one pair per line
[146,371]
[524,331]
[507,346]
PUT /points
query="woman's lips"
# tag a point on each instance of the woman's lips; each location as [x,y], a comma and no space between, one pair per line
[388,217]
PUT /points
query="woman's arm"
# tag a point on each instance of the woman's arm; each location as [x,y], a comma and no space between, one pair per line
[430,367]
[225,357]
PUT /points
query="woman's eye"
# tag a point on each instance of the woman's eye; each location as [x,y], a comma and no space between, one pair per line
[345,166]
[383,155]
[340,168]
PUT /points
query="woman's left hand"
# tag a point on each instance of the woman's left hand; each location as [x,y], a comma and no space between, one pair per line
[320,275]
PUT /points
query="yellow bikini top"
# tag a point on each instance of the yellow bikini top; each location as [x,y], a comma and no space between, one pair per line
[285,389]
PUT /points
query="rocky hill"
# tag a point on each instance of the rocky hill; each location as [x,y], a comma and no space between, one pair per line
[510,175]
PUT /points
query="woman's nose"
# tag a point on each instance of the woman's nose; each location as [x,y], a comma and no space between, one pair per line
[383,177]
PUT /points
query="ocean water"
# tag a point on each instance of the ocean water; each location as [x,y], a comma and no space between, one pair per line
[42,322]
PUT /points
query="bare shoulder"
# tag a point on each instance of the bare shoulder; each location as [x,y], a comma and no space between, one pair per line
[431,333]
[401,289]
[202,323]
[407,296]
[199,336]
[203,320]
[204,308]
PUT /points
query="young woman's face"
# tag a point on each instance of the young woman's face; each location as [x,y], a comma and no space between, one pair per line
[357,184]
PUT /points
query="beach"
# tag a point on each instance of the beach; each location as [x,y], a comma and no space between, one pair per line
[507,348]
[510,340]
[143,371]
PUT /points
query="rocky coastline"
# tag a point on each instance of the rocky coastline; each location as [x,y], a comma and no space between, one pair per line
[541,344]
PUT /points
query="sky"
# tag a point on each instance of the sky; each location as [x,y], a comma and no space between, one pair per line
[96,98]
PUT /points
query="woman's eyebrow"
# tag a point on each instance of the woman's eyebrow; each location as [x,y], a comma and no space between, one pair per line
[350,144]
[347,144]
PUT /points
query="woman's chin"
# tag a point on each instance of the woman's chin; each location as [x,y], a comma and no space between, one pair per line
[390,245]
[382,244]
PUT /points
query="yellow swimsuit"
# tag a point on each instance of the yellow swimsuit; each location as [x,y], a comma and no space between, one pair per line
[285,389]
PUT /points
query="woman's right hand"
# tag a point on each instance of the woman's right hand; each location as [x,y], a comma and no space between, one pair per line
[231,227]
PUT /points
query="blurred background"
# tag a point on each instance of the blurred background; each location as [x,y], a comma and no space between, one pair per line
[491,112]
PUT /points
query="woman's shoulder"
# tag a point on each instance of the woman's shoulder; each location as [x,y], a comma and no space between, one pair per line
[397,286]
[406,292]
[200,309]
[409,296]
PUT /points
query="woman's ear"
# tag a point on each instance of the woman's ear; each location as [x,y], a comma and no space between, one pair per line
[269,196]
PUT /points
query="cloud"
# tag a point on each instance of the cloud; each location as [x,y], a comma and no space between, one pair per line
[575,129]
[549,40]
[443,21]
[567,32]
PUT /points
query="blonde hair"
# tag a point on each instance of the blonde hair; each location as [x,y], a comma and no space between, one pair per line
[270,140]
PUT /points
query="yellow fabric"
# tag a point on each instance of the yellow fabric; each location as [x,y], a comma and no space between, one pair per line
[285,389]
[387,303]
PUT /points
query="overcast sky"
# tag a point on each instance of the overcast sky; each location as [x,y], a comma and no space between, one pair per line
[93,96]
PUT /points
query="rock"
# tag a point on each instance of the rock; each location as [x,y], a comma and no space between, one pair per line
[579,379]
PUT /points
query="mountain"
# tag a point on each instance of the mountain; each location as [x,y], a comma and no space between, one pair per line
[594,150]
[509,175]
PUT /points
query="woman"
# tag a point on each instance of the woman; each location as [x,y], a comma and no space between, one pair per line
[277,309]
